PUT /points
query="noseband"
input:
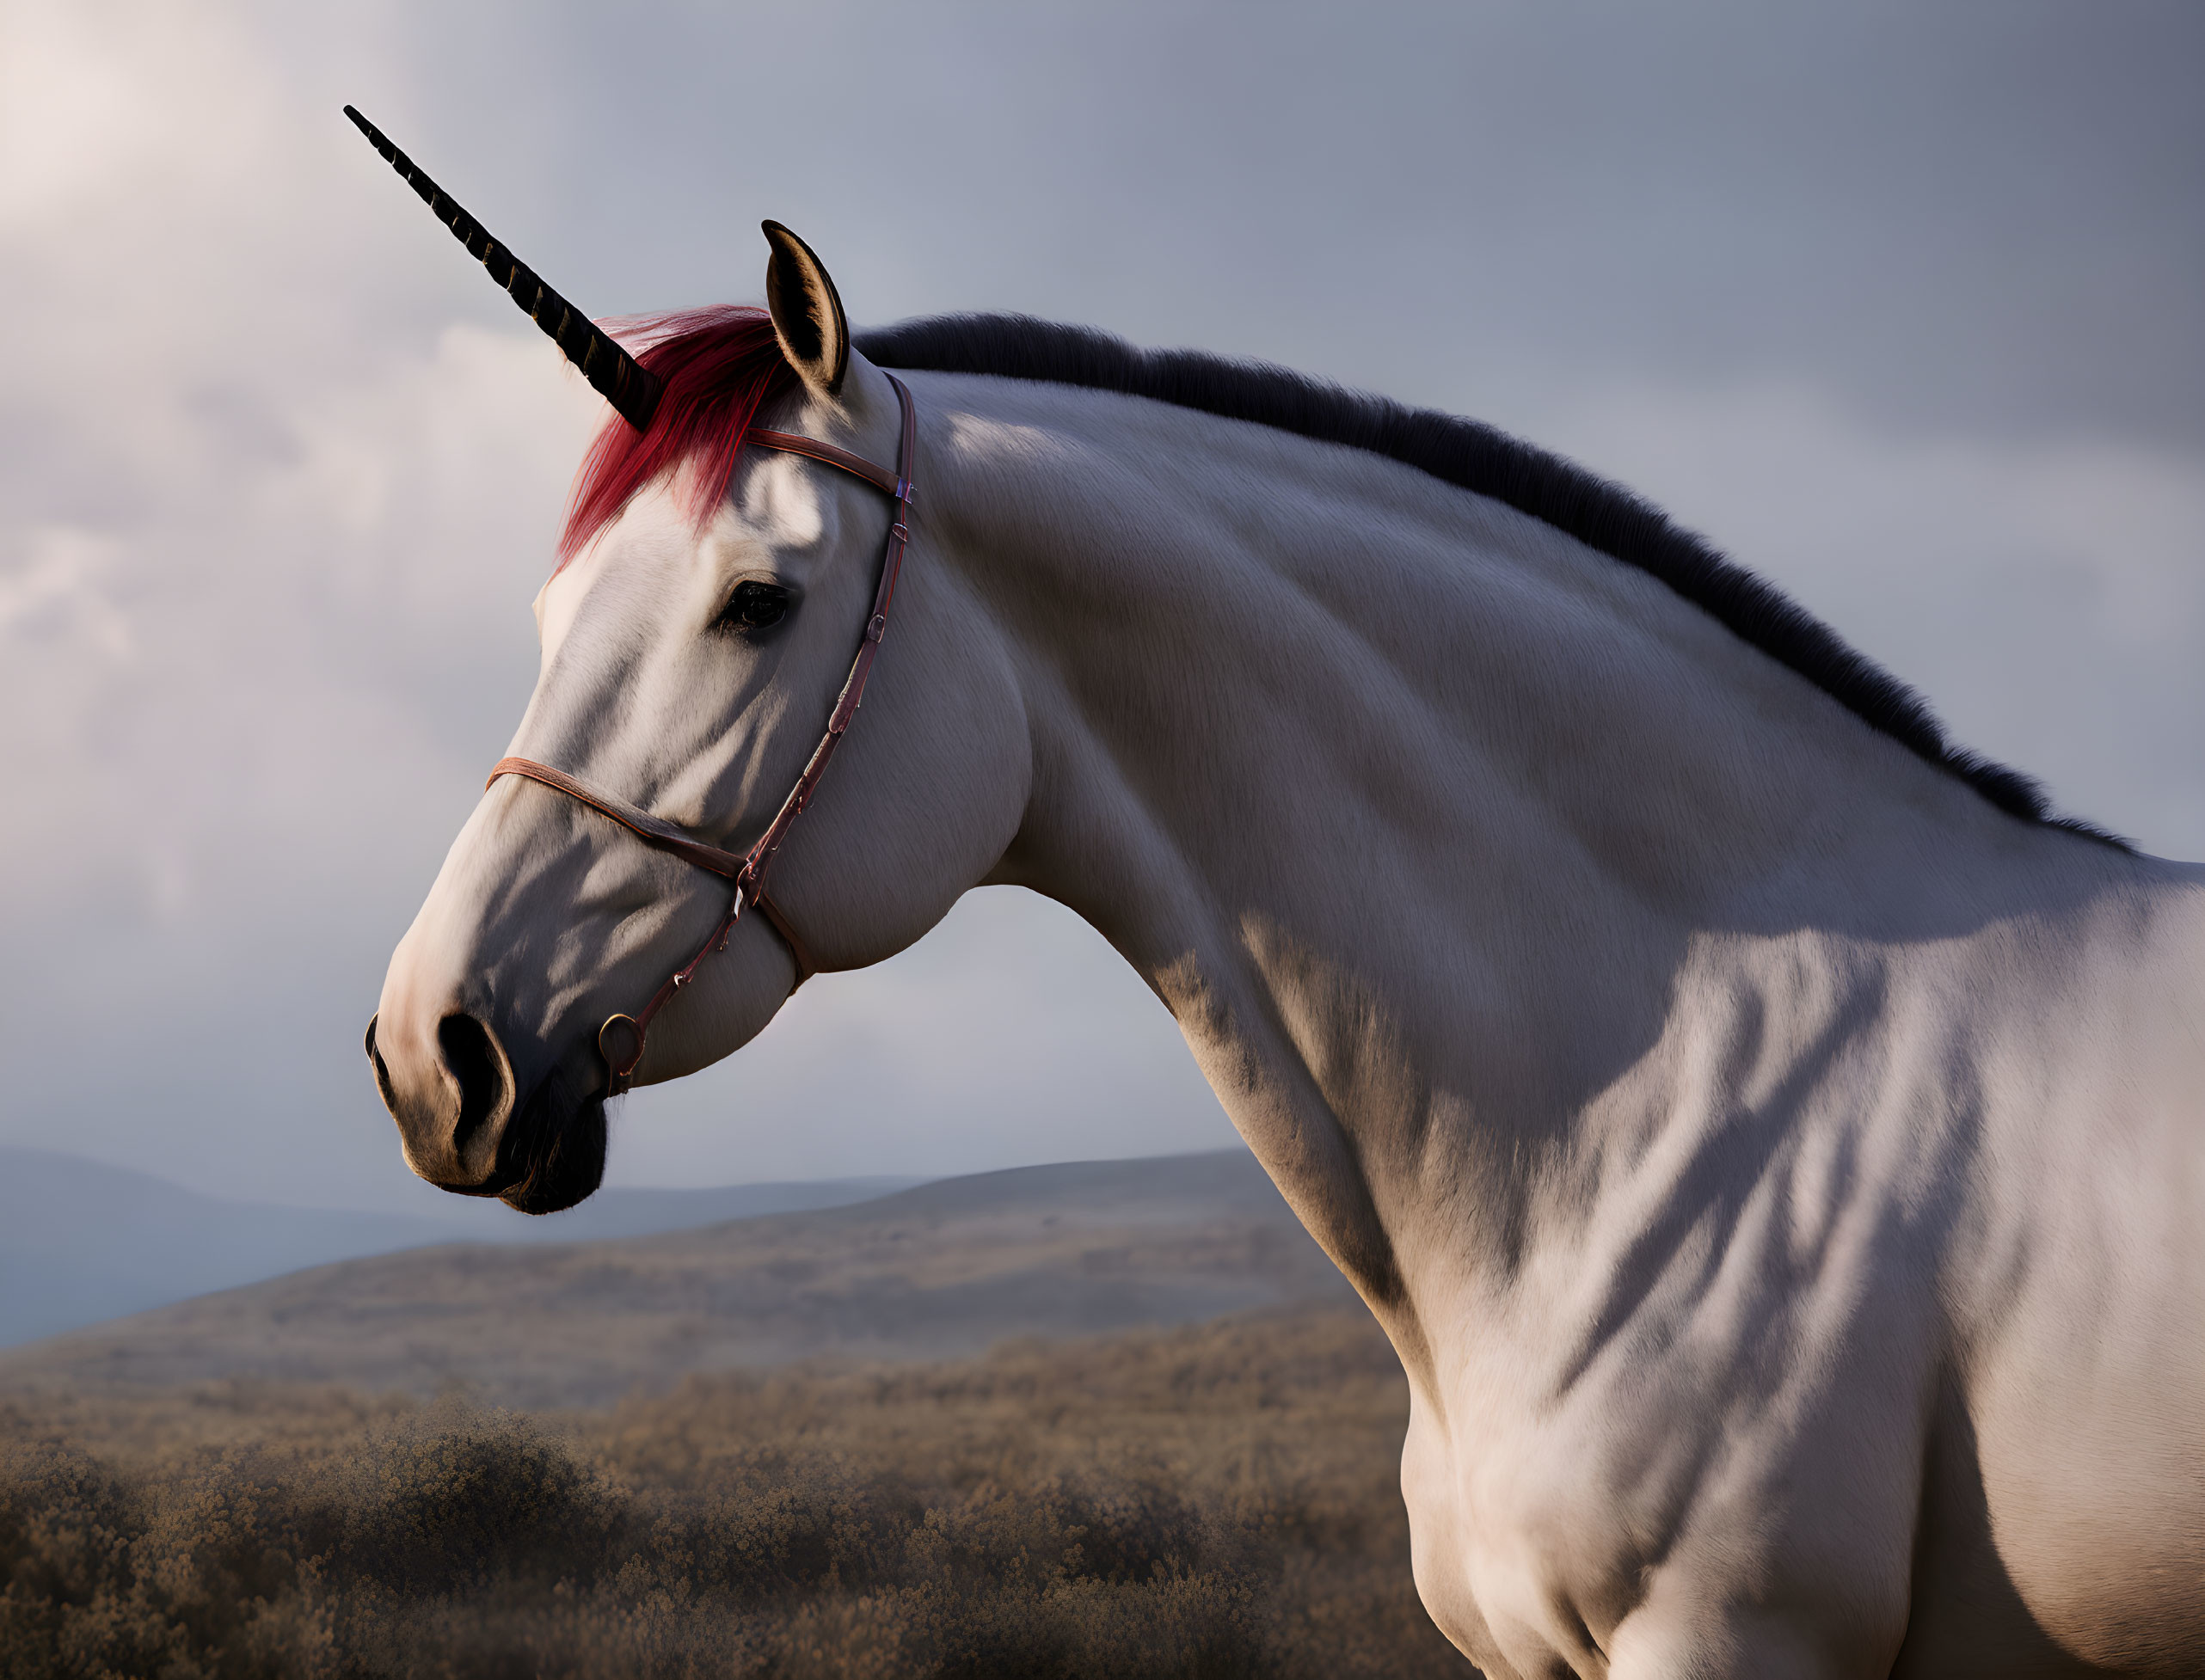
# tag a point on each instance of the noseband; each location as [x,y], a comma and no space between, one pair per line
[620,1040]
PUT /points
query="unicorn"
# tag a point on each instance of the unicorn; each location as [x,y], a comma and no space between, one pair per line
[1772,1140]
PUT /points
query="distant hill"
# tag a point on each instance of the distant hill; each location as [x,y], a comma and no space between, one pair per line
[945,1269]
[81,1241]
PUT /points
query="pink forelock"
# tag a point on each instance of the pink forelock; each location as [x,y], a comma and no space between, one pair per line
[720,366]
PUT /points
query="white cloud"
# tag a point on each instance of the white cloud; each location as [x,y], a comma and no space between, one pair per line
[57,592]
[81,110]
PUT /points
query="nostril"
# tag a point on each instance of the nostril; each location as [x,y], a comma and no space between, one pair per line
[381,1073]
[476,1068]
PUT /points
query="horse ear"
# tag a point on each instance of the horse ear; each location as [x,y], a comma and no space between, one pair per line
[806,311]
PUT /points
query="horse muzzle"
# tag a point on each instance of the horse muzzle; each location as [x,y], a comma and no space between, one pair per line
[466,1128]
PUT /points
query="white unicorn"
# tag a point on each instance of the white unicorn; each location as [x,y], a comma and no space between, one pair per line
[1776,1149]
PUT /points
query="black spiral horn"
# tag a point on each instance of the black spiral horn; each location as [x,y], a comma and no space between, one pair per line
[618,376]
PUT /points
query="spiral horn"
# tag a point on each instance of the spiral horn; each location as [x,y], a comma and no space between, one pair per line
[620,379]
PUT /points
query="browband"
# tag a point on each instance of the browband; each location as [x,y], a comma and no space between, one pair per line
[792,444]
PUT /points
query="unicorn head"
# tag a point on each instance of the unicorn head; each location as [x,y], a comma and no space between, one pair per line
[697,635]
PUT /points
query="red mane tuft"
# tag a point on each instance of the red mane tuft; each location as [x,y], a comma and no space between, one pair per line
[720,365]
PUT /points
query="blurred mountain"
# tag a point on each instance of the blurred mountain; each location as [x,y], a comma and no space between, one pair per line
[944,1269]
[81,1241]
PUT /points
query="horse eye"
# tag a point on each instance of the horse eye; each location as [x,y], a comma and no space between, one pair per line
[754,606]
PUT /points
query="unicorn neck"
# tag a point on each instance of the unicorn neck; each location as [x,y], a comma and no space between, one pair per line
[1416,812]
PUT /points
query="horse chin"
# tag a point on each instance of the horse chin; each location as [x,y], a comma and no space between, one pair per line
[552,1154]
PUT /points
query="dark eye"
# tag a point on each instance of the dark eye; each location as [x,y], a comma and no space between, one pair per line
[755,606]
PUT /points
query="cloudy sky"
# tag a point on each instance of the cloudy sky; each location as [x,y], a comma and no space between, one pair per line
[1904,304]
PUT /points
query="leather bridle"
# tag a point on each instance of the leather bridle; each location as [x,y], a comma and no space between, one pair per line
[620,1040]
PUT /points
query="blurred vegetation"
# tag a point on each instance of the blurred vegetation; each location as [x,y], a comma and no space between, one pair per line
[1218,1501]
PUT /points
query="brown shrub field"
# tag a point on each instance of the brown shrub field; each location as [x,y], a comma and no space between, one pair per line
[1213,1501]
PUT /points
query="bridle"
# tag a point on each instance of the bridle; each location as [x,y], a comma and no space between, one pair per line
[620,1040]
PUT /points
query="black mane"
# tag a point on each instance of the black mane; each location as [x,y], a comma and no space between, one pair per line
[1477,457]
